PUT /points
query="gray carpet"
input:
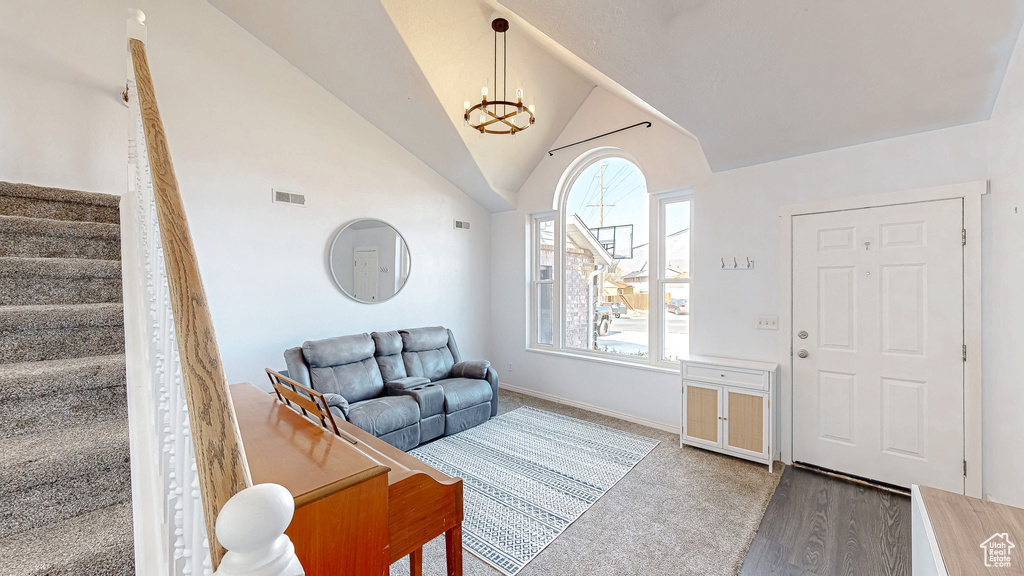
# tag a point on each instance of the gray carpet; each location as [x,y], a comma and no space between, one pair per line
[65,486]
[681,511]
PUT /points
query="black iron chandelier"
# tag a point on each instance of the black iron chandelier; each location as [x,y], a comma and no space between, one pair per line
[499,116]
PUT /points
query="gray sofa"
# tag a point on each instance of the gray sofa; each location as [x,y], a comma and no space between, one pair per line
[405,386]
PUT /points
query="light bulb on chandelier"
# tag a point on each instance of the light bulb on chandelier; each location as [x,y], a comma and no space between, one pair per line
[500,116]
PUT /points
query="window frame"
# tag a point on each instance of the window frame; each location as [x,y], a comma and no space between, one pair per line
[658,217]
[537,220]
[656,314]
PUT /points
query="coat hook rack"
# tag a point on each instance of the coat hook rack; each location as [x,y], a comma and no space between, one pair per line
[747,263]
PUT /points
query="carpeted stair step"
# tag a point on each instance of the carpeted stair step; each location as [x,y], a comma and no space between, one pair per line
[58,204]
[49,238]
[76,391]
[61,473]
[26,281]
[99,543]
[52,332]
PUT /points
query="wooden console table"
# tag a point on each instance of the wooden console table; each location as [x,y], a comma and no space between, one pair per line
[359,505]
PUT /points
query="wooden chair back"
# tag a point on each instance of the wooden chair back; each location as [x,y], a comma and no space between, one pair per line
[308,401]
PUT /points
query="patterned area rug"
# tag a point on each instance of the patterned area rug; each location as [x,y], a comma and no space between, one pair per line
[527,475]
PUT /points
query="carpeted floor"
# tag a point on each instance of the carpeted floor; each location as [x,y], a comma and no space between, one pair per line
[65,487]
[681,511]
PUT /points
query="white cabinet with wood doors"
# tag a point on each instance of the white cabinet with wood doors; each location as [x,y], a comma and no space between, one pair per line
[727,407]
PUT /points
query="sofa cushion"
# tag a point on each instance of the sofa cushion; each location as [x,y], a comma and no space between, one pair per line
[420,339]
[337,351]
[389,355]
[462,393]
[344,365]
[380,416]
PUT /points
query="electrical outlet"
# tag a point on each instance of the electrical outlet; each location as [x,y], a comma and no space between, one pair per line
[766,322]
[509,366]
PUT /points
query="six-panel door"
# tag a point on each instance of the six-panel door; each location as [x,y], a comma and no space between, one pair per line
[877,340]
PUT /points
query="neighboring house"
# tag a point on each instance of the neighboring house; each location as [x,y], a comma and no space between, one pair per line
[638,279]
[614,288]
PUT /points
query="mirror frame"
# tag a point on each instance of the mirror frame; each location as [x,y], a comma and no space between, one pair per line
[330,259]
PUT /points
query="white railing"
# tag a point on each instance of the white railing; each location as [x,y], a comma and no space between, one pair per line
[154,373]
[171,536]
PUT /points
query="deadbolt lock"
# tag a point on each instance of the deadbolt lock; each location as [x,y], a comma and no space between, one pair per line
[802,334]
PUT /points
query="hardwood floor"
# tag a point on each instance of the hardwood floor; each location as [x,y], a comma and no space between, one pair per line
[818,525]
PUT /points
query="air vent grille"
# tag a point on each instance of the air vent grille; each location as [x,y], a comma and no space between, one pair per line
[461,225]
[282,197]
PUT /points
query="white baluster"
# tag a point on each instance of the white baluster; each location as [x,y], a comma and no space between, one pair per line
[251,526]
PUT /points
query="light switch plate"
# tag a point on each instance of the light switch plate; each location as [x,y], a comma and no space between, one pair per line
[766,322]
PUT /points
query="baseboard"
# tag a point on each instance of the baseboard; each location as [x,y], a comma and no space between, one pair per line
[591,408]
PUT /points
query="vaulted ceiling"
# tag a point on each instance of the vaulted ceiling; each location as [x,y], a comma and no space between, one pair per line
[754,81]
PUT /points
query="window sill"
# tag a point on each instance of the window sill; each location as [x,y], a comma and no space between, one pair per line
[663,367]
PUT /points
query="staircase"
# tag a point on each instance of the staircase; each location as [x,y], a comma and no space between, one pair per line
[65,487]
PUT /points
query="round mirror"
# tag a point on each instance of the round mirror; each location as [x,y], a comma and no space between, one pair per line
[369,260]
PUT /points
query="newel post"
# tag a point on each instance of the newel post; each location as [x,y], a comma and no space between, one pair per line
[251,526]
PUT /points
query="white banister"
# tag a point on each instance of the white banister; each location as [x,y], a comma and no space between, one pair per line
[171,535]
[251,526]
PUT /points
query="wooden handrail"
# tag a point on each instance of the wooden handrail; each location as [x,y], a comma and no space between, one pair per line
[220,459]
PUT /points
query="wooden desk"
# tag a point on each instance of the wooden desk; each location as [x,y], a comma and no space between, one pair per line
[341,495]
[358,506]
[423,503]
[950,529]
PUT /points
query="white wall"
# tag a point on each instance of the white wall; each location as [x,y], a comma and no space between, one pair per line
[736,214]
[1003,286]
[669,160]
[241,120]
[62,69]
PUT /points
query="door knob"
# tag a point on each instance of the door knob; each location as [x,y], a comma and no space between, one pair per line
[802,353]
[802,334]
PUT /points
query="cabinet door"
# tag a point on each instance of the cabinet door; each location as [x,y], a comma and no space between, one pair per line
[703,414]
[745,418]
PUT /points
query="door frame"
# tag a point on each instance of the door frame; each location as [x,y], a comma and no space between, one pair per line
[970,193]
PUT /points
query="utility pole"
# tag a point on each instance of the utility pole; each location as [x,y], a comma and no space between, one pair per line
[601,205]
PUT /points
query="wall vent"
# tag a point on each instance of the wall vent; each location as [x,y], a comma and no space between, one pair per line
[461,225]
[282,197]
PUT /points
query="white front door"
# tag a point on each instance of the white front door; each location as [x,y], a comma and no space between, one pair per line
[365,274]
[878,315]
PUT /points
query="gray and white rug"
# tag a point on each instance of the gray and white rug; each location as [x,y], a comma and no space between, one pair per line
[527,475]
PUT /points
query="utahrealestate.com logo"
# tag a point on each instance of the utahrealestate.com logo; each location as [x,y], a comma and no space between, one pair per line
[997,550]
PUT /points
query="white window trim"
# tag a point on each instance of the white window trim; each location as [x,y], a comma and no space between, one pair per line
[661,199]
[533,310]
[656,314]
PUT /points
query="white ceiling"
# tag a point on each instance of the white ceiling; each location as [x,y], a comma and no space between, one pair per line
[453,43]
[354,51]
[755,81]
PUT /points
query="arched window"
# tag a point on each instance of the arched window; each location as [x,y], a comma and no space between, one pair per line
[594,288]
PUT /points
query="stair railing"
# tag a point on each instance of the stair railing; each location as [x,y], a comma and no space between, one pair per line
[187,454]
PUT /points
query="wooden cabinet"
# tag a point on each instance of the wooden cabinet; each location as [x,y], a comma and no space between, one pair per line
[727,407]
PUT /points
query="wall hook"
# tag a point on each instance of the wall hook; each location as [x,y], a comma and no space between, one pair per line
[735,264]
[750,263]
[723,263]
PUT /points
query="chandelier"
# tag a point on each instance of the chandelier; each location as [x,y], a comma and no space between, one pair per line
[499,116]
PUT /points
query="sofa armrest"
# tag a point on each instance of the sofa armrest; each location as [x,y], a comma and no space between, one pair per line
[492,379]
[471,369]
[430,397]
[395,387]
[337,401]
